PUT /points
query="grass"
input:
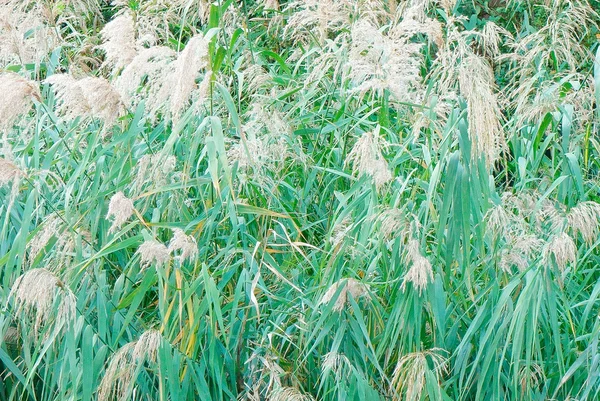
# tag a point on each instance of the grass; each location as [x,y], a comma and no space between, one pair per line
[356,233]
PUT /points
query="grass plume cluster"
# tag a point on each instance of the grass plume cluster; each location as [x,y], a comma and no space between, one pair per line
[299,200]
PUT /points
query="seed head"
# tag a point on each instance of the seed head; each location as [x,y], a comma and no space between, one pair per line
[154,169]
[337,363]
[34,293]
[288,394]
[88,97]
[366,158]
[118,374]
[563,248]
[585,219]
[8,172]
[119,42]
[120,208]
[184,243]
[181,84]
[26,37]
[153,252]
[498,220]
[413,373]
[420,273]
[150,63]
[519,252]
[42,237]
[146,347]
[476,80]
[17,95]
[350,285]
[385,61]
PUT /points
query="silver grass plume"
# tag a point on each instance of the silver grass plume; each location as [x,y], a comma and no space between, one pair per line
[35,292]
[26,37]
[366,158]
[413,374]
[563,249]
[336,363]
[585,220]
[264,371]
[120,208]
[491,38]
[397,223]
[520,251]
[310,18]
[320,17]
[150,63]
[118,45]
[264,147]
[154,169]
[153,18]
[9,172]
[498,219]
[340,231]
[288,394]
[420,273]
[532,376]
[477,86]
[69,11]
[89,97]
[186,244]
[378,62]
[180,83]
[123,364]
[146,347]
[18,94]
[152,251]
[559,41]
[448,5]
[50,229]
[348,286]
[415,21]
[118,375]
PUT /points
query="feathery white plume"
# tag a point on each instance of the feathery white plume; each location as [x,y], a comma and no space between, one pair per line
[420,273]
[43,236]
[153,252]
[413,373]
[8,172]
[118,37]
[563,248]
[585,220]
[89,97]
[146,347]
[184,243]
[35,292]
[150,63]
[118,375]
[349,285]
[17,95]
[366,158]
[120,208]
[288,394]
[477,85]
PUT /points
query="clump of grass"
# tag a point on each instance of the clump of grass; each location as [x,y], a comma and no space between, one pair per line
[332,200]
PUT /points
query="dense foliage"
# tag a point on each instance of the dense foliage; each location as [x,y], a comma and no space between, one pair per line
[305,200]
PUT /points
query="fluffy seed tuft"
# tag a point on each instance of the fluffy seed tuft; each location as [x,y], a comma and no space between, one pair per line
[184,243]
[420,273]
[366,158]
[153,252]
[120,208]
[350,285]
[34,294]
